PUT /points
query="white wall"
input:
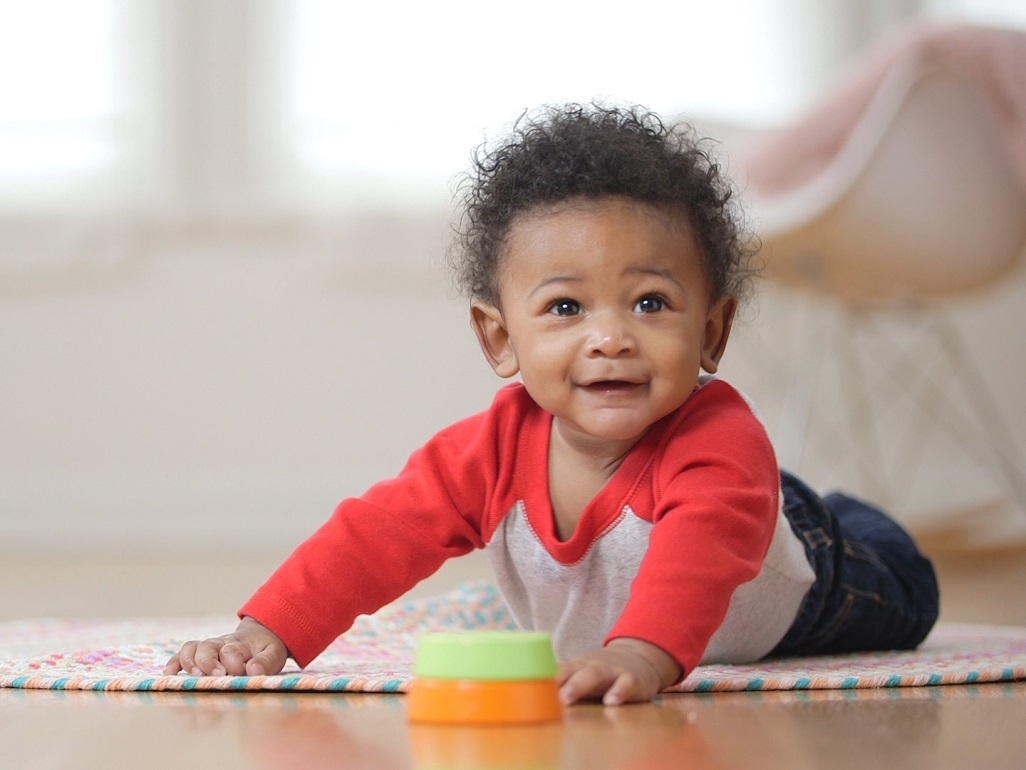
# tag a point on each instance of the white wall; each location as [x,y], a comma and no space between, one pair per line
[224,394]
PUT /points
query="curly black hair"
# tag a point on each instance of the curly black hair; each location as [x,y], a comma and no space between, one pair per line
[573,151]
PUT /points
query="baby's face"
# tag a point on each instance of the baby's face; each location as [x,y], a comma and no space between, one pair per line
[608,315]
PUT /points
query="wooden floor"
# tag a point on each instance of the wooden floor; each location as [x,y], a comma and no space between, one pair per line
[954,727]
[974,726]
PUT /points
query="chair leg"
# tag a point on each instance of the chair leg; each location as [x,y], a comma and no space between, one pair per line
[926,387]
[799,392]
[859,411]
[992,435]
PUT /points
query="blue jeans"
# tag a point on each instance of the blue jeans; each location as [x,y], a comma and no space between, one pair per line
[874,590]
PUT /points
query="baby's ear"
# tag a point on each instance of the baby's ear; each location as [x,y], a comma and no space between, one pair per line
[493,336]
[717,331]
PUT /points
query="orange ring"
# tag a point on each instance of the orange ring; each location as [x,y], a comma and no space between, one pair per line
[471,701]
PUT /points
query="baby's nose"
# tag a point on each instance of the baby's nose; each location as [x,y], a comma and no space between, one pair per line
[610,336]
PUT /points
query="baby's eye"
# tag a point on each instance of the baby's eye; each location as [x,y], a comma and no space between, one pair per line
[565,307]
[650,304]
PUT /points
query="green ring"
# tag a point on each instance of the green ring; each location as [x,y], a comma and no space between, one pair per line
[485,655]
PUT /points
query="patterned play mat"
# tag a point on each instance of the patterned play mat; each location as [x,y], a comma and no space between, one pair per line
[376,655]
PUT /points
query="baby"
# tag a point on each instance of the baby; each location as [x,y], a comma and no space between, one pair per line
[630,503]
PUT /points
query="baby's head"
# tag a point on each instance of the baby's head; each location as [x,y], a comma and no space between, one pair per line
[603,261]
[591,152]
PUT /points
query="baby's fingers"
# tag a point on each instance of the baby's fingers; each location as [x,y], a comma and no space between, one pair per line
[198,659]
[181,660]
[613,687]
[233,656]
[268,661]
[587,681]
[247,659]
[173,665]
[208,658]
[252,650]
[625,689]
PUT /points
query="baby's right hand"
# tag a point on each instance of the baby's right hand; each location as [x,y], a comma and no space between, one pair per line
[253,650]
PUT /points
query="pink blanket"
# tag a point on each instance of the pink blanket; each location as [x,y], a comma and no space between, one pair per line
[993,59]
[376,655]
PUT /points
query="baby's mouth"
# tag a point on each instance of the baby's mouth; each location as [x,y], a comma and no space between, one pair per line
[611,386]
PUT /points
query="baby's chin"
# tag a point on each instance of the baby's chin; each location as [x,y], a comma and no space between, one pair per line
[622,433]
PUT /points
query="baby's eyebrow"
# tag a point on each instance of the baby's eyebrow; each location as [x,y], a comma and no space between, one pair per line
[555,279]
[660,272]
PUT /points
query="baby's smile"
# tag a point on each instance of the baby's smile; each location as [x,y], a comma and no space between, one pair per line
[612,386]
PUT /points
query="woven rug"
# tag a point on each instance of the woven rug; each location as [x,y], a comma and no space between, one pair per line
[376,655]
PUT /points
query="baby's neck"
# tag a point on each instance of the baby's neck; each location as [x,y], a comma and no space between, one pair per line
[578,470]
[588,451]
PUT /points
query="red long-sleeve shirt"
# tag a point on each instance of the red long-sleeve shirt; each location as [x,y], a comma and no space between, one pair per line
[658,555]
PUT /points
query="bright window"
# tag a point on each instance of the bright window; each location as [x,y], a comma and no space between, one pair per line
[58,90]
[1009,13]
[307,102]
[409,89]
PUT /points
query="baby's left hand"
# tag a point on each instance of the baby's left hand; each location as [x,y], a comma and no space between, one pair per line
[624,671]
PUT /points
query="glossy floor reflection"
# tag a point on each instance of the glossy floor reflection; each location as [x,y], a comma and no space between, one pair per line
[977,726]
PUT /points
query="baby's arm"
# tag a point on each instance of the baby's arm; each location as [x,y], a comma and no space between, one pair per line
[624,671]
[253,650]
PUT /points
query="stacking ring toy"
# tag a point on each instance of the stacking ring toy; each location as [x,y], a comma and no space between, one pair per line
[484,677]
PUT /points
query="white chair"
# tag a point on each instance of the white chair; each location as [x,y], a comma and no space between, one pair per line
[918,206]
[920,202]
